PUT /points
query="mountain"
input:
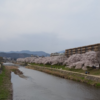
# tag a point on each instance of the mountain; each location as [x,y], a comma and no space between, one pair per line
[37,53]
[14,55]
[23,54]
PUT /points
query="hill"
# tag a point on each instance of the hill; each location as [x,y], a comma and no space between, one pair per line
[37,53]
[23,54]
[14,55]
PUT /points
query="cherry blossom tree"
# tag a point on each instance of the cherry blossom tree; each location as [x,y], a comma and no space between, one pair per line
[78,61]
[98,58]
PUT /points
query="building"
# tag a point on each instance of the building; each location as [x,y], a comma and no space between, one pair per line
[83,49]
[57,54]
[54,54]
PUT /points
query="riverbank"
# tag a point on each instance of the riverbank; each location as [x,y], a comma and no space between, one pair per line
[6,90]
[5,84]
[86,78]
[91,70]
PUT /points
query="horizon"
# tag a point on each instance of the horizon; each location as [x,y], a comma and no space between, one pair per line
[30,51]
[47,52]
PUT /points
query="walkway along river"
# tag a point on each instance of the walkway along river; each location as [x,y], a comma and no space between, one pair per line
[41,86]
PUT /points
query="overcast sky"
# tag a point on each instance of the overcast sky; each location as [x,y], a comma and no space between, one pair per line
[48,25]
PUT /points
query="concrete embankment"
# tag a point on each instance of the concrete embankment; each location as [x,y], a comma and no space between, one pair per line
[86,78]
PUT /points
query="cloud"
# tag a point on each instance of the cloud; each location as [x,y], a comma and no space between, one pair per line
[66,21]
[43,42]
[38,16]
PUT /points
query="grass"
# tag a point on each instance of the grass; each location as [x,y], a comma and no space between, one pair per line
[4,84]
[50,66]
[90,70]
[97,84]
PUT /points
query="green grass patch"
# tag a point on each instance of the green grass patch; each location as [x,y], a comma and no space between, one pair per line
[90,82]
[82,78]
[97,84]
[89,69]
[4,92]
[73,77]
[50,66]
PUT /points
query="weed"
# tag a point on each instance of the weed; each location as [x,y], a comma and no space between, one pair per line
[4,81]
[97,84]
[90,70]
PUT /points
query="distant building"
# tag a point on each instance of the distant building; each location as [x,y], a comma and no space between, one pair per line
[54,54]
[62,54]
[83,49]
[57,54]
[32,55]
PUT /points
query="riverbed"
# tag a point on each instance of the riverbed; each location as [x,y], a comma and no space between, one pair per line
[41,86]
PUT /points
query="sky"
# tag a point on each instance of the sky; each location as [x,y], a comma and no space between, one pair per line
[48,25]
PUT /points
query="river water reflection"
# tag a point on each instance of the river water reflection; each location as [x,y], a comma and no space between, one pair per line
[42,86]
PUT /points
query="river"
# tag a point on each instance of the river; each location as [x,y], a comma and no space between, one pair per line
[41,86]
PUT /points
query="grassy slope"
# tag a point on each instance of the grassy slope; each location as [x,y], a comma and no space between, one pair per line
[91,71]
[73,76]
[5,84]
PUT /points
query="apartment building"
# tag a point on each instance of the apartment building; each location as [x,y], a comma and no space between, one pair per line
[83,49]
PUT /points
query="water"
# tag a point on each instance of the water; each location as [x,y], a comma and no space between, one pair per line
[42,86]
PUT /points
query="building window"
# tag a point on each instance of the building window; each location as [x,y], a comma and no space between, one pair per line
[76,50]
[71,52]
[92,48]
[80,50]
[86,49]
